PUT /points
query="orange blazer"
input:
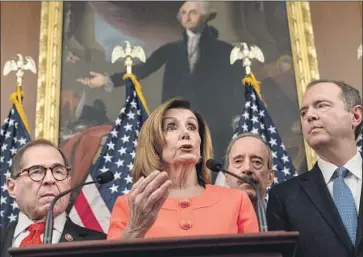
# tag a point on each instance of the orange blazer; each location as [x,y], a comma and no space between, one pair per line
[217,210]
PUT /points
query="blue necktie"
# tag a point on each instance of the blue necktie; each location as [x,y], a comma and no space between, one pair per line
[344,202]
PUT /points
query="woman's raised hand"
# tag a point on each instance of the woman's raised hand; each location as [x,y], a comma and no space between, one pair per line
[145,200]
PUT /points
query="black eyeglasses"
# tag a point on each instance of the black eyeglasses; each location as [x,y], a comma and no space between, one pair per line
[38,172]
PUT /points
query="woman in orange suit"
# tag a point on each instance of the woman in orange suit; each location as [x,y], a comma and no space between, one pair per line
[172,195]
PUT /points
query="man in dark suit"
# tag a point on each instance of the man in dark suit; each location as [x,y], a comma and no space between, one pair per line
[325,204]
[197,68]
[40,172]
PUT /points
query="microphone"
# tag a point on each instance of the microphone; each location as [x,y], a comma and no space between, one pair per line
[48,232]
[215,166]
[105,177]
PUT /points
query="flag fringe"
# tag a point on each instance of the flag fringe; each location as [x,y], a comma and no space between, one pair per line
[16,99]
[253,82]
[138,90]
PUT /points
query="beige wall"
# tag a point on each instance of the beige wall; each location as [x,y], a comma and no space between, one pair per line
[338,33]
[20,23]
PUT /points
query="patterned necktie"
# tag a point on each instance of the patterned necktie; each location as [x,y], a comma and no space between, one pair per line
[34,236]
[344,202]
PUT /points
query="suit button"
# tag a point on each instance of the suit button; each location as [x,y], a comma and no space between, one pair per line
[184,203]
[186,224]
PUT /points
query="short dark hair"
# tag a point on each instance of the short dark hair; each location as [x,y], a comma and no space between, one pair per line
[17,164]
[350,96]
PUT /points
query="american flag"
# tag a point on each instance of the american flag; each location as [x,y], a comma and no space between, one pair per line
[255,119]
[13,135]
[94,203]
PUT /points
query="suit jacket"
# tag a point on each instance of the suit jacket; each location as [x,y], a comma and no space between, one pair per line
[304,204]
[78,233]
[214,88]
[219,210]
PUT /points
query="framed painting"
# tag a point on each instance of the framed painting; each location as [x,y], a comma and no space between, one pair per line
[76,112]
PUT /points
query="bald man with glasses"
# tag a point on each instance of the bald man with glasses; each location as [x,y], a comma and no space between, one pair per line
[39,172]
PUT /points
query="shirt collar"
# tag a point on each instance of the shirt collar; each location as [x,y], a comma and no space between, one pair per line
[24,222]
[354,165]
[59,222]
[193,35]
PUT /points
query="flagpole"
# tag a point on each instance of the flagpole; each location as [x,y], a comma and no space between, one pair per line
[129,53]
[19,65]
[14,134]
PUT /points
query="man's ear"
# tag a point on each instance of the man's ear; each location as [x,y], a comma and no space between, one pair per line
[271,176]
[357,112]
[11,185]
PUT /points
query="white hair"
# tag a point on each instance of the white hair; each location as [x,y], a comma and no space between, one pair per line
[248,134]
[205,8]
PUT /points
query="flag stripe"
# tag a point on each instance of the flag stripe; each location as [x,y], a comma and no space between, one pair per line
[86,214]
[73,214]
[99,215]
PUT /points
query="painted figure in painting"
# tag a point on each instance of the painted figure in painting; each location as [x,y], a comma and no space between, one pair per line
[197,68]
[194,65]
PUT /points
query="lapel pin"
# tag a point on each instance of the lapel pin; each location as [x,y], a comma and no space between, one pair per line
[68,237]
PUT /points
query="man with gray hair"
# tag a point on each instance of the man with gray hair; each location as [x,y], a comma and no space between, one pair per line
[249,156]
[40,172]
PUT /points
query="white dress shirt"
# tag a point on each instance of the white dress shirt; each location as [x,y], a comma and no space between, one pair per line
[353,179]
[193,48]
[21,229]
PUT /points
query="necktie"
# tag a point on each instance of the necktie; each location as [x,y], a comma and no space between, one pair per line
[34,236]
[344,202]
[192,52]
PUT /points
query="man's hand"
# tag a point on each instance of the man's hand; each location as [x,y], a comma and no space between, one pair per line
[97,80]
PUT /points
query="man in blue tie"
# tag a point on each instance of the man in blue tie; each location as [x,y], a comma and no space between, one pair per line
[325,204]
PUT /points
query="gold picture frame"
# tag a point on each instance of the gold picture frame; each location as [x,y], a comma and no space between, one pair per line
[50,50]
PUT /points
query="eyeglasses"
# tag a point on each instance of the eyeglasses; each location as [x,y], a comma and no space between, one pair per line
[38,172]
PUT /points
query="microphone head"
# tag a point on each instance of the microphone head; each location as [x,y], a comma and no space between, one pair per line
[214,165]
[105,177]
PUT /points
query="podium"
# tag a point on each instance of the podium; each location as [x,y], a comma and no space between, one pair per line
[266,244]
